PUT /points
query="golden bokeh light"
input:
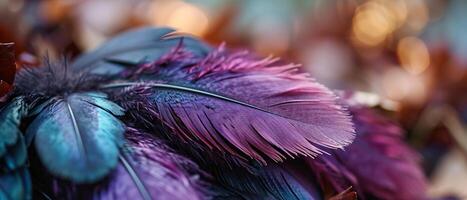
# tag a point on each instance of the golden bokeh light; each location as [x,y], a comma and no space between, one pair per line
[375,20]
[180,15]
[418,16]
[371,25]
[413,55]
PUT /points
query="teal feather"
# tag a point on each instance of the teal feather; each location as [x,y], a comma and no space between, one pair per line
[10,117]
[16,185]
[77,137]
[15,156]
[15,182]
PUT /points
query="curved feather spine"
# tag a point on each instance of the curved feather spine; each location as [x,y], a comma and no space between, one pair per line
[139,184]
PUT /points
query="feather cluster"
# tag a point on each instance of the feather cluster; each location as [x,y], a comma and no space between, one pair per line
[153,114]
[378,164]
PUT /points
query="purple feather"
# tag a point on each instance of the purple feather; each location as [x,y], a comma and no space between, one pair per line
[147,169]
[152,171]
[378,164]
[235,103]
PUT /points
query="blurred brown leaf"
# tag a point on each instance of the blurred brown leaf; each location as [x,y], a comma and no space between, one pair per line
[7,67]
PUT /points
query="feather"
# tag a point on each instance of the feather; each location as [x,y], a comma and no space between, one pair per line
[77,137]
[16,185]
[246,107]
[134,47]
[147,169]
[378,164]
[15,182]
[15,156]
[380,152]
[54,79]
[271,182]
[150,170]
[10,117]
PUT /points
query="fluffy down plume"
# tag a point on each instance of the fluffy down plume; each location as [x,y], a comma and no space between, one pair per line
[235,103]
[53,79]
[378,164]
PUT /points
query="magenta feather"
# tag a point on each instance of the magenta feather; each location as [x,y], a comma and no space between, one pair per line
[378,164]
[240,105]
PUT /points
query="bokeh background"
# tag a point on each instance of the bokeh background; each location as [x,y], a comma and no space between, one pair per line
[407,58]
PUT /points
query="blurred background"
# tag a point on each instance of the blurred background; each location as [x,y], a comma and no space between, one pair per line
[407,58]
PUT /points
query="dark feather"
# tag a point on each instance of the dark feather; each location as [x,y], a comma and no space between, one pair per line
[10,117]
[271,182]
[77,136]
[53,79]
[15,156]
[16,185]
[15,182]
[135,47]
[240,105]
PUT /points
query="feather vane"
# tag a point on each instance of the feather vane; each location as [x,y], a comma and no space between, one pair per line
[77,137]
[250,108]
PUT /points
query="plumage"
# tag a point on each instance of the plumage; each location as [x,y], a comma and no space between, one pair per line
[378,164]
[148,169]
[16,185]
[134,47]
[14,157]
[54,79]
[78,136]
[271,182]
[390,159]
[15,181]
[206,123]
[10,117]
[250,108]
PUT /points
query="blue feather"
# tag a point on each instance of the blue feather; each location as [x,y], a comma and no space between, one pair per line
[15,182]
[77,137]
[271,182]
[10,117]
[134,47]
[13,152]
[15,156]
[16,185]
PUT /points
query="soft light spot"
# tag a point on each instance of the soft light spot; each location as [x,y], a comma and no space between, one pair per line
[179,15]
[375,20]
[413,55]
